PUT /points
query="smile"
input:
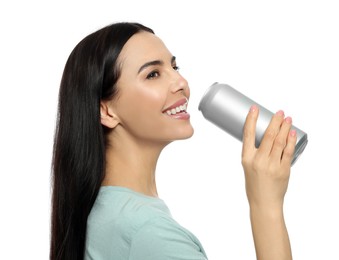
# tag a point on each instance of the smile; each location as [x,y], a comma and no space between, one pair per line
[178,107]
[176,110]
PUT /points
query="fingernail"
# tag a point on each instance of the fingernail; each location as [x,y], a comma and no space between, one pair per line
[288,120]
[280,113]
[253,108]
[293,133]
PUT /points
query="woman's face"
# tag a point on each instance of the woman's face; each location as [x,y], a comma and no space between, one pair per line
[153,96]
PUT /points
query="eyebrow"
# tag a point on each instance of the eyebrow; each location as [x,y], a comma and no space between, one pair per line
[154,62]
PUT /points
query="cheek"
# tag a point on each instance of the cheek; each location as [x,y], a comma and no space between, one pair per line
[150,100]
[141,109]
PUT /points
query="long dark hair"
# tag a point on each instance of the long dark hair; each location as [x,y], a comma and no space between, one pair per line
[78,166]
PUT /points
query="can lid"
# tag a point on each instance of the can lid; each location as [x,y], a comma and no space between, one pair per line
[206,96]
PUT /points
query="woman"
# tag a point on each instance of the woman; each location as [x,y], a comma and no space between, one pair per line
[121,101]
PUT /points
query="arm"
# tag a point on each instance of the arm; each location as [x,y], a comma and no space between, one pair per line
[267,171]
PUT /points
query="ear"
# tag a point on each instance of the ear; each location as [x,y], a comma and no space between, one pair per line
[107,116]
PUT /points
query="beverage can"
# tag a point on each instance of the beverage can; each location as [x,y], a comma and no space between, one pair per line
[227,108]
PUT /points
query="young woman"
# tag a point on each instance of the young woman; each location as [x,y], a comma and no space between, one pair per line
[121,101]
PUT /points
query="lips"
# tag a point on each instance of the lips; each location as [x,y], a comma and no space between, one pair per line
[178,107]
[178,110]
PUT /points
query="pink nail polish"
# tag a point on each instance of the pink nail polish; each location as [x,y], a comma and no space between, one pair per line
[280,113]
[293,133]
[253,108]
[288,120]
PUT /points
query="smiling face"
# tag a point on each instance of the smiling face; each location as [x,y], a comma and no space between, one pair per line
[152,95]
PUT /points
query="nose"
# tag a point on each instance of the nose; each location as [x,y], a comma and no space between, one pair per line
[180,84]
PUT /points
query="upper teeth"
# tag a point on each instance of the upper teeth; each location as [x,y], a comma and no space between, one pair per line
[177,109]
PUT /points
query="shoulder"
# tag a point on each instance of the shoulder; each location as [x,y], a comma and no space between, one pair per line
[127,225]
[122,208]
[117,215]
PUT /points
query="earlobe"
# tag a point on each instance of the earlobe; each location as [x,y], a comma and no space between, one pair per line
[107,117]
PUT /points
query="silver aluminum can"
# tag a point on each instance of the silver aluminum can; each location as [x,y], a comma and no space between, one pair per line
[228,108]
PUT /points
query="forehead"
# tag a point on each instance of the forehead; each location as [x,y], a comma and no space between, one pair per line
[143,47]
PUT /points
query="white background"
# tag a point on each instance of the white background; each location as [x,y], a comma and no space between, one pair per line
[282,54]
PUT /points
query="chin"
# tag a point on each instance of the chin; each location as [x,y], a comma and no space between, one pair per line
[179,133]
[188,133]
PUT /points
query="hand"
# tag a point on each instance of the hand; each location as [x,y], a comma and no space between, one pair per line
[267,168]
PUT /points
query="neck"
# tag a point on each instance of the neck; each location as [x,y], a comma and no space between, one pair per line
[132,163]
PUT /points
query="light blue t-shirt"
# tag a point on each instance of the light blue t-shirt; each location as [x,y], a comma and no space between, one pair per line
[127,225]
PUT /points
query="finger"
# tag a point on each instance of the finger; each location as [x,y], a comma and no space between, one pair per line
[249,131]
[281,140]
[288,152]
[271,133]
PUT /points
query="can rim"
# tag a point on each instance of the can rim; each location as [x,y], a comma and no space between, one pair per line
[205,96]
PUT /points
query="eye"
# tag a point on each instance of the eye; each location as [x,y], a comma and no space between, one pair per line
[153,75]
[175,67]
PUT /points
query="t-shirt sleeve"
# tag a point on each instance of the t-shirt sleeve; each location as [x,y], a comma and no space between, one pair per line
[162,239]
